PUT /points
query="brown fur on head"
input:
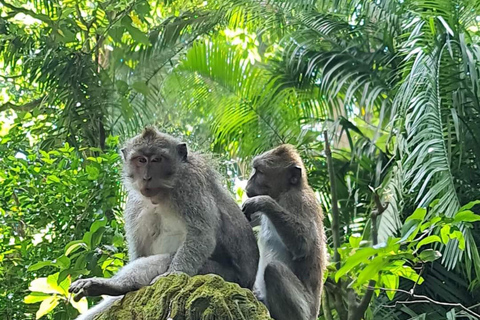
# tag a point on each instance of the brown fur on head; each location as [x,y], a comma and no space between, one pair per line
[151,160]
[277,171]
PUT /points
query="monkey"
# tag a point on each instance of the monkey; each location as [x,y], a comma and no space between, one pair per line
[291,240]
[178,219]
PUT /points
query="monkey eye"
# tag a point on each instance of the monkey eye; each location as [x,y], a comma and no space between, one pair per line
[142,160]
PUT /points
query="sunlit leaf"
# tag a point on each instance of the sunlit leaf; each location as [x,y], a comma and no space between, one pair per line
[390,281]
[81,305]
[47,306]
[35,297]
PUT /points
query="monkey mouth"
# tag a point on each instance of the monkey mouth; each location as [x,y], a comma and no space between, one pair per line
[150,192]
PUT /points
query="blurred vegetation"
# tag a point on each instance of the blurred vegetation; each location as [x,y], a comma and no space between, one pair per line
[394,82]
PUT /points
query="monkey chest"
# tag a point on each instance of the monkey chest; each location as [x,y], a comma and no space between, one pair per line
[162,230]
[271,246]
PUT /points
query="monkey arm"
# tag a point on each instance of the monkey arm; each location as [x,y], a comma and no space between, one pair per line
[199,245]
[296,234]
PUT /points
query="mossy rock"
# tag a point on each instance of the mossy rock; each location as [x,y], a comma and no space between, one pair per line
[180,297]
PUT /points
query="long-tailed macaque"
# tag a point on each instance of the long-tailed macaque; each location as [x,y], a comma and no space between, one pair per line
[178,218]
[292,240]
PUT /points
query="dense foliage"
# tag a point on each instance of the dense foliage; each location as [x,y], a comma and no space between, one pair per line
[395,84]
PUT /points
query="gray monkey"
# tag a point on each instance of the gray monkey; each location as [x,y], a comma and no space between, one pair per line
[178,218]
[291,239]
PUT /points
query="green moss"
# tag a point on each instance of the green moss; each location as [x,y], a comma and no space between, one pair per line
[180,297]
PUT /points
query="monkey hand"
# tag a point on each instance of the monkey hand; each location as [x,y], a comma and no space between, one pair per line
[91,287]
[256,204]
[164,275]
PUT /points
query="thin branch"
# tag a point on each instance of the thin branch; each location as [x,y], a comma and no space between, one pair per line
[39,16]
[426,299]
[24,107]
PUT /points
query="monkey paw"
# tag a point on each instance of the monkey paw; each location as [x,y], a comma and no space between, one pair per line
[256,204]
[89,287]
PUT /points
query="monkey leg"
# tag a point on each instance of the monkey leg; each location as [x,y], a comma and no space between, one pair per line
[227,272]
[104,305]
[286,296]
[133,276]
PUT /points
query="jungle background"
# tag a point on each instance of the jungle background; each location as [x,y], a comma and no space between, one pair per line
[394,83]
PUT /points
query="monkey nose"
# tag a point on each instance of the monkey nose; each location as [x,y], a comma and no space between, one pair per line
[147,178]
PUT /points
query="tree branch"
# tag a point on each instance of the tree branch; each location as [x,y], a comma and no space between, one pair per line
[24,107]
[39,16]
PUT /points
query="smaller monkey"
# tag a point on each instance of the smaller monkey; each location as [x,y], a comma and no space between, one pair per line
[178,218]
[291,239]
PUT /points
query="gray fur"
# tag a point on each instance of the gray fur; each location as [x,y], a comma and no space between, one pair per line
[188,223]
[291,239]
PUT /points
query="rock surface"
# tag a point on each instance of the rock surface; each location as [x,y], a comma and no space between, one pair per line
[180,297]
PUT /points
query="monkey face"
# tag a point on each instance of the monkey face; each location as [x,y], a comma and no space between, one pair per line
[272,181]
[152,162]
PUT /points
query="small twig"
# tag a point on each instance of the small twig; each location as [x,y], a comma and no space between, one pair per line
[427,300]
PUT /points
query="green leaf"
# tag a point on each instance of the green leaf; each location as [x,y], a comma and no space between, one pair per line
[428,240]
[42,285]
[469,205]
[141,87]
[445,233]
[93,172]
[97,224]
[63,262]
[418,214]
[74,245]
[47,306]
[136,34]
[372,270]
[429,255]
[408,273]
[457,234]
[430,223]
[40,265]
[466,216]
[35,297]
[361,256]
[122,87]
[61,287]
[390,281]
[354,241]
[97,237]
[52,179]
[81,305]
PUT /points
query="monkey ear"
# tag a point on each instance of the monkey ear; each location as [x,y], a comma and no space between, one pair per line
[295,174]
[182,151]
[124,153]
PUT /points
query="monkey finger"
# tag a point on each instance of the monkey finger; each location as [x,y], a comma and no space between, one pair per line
[78,285]
[79,296]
